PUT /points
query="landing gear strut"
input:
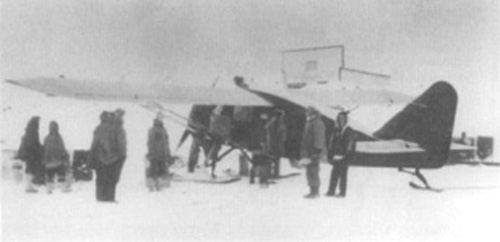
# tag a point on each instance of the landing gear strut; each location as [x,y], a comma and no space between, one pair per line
[213,162]
[420,177]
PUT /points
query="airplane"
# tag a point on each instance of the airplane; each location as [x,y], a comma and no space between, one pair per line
[418,137]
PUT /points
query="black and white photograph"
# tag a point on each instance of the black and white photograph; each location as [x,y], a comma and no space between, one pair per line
[250,120]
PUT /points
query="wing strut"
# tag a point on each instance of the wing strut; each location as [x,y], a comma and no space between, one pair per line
[194,127]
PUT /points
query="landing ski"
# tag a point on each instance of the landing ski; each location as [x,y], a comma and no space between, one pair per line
[227,178]
[419,187]
[293,174]
[224,180]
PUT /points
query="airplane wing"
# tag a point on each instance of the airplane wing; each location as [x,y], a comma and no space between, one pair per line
[285,98]
[92,90]
[354,97]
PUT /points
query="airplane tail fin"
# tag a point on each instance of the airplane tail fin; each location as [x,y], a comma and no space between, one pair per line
[427,121]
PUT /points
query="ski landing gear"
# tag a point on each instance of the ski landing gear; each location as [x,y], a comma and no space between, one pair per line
[420,177]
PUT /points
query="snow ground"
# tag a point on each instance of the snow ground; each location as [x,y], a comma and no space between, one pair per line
[379,206]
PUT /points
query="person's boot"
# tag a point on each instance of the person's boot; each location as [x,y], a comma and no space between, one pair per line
[67,183]
[100,196]
[111,196]
[167,181]
[341,194]
[314,192]
[252,175]
[29,184]
[50,187]
[158,184]
[150,184]
[330,193]
[263,183]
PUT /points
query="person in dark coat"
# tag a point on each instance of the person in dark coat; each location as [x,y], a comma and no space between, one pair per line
[199,119]
[55,158]
[341,151]
[31,152]
[313,145]
[108,152]
[259,146]
[276,136]
[220,129]
[158,154]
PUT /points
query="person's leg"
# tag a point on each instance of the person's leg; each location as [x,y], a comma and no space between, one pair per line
[152,174]
[108,181]
[316,181]
[214,153]
[343,180]
[194,152]
[115,171]
[312,172]
[30,171]
[336,175]
[308,178]
[68,179]
[252,173]
[263,175]
[112,192]
[100,183]
[267,172]
[276,166]
[39,173]
[49,181]
[332,185]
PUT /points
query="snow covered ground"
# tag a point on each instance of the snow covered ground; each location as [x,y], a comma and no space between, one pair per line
[379,206]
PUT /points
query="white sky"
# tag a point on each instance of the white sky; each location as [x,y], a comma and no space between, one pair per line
[416,42]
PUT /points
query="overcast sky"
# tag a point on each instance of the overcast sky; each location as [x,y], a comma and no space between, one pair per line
[416,42]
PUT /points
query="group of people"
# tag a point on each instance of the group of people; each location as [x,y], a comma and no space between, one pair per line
[106,156]
[263,137]
[108,151]
[340,151]
[44,162]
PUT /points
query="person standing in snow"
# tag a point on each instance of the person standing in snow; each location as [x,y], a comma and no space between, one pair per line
[313,144]
[276,136]
[55,158]
[30,152]
[220,128]
[199,119]
[259,146]
[342,147]
[158,155]
[108,152]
